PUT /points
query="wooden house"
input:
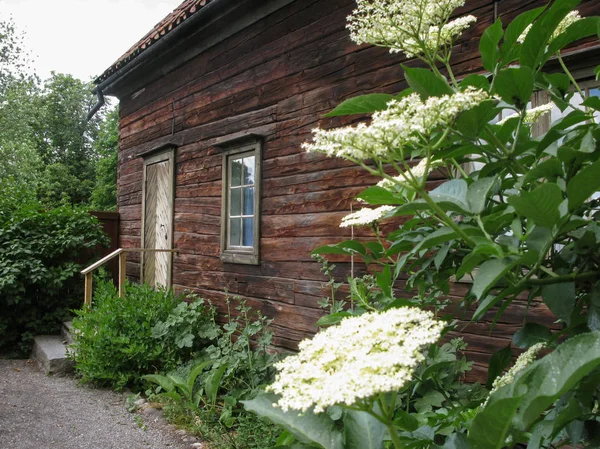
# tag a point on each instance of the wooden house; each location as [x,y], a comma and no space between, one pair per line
[215,103]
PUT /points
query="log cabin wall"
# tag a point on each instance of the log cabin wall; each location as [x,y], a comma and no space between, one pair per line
[276,78]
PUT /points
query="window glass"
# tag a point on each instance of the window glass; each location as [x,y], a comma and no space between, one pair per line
[241,201]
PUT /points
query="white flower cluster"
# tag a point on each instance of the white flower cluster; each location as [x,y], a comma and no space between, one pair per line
[569,19]
[522,362]
[407,121]
[410,26]
[365,216]
[531,115]
[418,172]
[357,359]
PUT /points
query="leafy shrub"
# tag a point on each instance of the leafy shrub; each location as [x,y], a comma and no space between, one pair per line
[119,340]
[204,394]
[40,251]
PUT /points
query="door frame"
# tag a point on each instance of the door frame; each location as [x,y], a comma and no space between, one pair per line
[161,154]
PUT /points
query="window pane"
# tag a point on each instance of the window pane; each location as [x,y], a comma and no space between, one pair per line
[248,232]
[248,201]
[249,170]
[235,206]
[236,172]
[235,225]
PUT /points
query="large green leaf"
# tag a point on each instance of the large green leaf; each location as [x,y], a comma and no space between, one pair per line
[583,185]
[489,273]
[498,363]
[363,431]
[345,247]
[533,51]
[560,298]
[213,382]
[478,193]
[363,104]
[515,85]
[540,205]
[307,427]
[531,334]
[488,46]
[426,83]
[439,236]
[585,27]
[514,408]
[378,195]
[510,49]
[452,195]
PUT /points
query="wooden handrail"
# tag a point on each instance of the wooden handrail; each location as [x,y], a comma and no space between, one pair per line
[122,253]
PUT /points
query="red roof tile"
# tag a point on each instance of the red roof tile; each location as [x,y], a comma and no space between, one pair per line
[180,14]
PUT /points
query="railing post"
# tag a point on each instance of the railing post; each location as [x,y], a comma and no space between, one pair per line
[122,273]
[88,289]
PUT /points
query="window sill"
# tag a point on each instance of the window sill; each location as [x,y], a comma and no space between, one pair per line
[239,257]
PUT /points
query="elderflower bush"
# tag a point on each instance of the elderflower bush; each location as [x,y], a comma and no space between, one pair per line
[360,358]
[523,223]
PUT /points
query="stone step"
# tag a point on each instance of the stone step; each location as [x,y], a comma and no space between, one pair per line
[66,331]
[51,354]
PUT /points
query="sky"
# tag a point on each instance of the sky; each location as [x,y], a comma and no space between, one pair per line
[82,37]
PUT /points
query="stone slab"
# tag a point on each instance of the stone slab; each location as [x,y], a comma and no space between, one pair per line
[51,353]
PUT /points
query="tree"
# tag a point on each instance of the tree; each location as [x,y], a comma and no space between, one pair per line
[19,90]
[64,139]
[104,195]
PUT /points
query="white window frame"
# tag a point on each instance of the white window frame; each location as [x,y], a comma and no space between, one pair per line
[249,255]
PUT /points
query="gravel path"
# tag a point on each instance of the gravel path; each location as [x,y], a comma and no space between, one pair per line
[45,412]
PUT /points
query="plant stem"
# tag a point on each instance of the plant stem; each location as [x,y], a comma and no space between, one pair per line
[573,277]
[568,73]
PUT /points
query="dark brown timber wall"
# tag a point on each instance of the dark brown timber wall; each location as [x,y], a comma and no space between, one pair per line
[277,78]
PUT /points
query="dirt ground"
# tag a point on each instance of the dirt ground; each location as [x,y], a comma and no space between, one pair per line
[51,412]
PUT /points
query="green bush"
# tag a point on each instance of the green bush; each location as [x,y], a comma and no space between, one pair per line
[40,251]
[120,340]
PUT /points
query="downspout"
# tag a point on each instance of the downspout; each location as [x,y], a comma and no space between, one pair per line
[98,105]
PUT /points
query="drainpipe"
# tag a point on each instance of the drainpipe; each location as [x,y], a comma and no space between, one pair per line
[98,105]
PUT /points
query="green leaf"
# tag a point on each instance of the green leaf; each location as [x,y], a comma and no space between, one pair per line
[406,421]
[426,83]
[163,381]
[476,80]
[489,430]
[498,363]
[592,102]
[559,81]
[472,122]
[588,26]
[333,319]
[560,298]
[213,382]
[411,208]
[456,441]
[549,169]
[516,407]
[533,51]
[196,371]
[488,46]
[583,185]
[593,318]
[363,431]
[384,281]
[441,235]
[429,400]
[307,427]
[515,85]
[378,195]
[540,205]
[346,247]
[452,195]
[510,49]
[489,273]
[363,104]
[531,334]
[478,193]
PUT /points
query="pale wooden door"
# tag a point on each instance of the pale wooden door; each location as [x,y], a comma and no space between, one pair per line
[158,219]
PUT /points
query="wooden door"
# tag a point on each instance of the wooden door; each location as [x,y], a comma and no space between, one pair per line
[158,219]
